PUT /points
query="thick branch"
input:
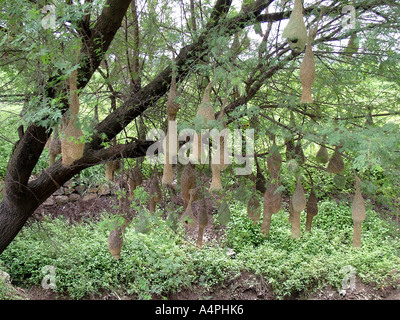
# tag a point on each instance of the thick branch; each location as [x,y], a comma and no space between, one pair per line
[102,34]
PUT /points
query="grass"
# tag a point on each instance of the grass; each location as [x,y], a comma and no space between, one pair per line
[162,261]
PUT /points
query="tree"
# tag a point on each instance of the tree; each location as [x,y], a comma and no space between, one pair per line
[262,73]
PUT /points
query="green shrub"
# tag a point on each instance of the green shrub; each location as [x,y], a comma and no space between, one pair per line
[152,263]
[5,293]
[162,260]
[318,258]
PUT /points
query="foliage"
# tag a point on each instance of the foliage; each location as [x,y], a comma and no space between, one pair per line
[153,263]
[5,292]
[161,260]
[318,258]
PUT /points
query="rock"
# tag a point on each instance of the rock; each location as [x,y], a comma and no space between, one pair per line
[61,199]
[231,253]
[89,196]
[68,191]
[68,184]
[5,277]
[74,197]
[59,192]
[49,202]
[104,190]
[80,189]
[93,190]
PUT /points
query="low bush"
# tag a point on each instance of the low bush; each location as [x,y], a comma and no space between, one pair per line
[162,260]
[318,258]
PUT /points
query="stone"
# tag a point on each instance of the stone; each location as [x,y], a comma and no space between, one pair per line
[49,202]
[68,191]
[80,189]
[60,200]
[231,253]
[93,190]
[104,190]
[59,192]
[68,184]
[89,196]
[5,277]
[74,197]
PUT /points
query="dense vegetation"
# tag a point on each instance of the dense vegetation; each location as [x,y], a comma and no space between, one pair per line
[162,261]
[124,55]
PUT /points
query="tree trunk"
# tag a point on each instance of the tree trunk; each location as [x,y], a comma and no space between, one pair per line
[11,221]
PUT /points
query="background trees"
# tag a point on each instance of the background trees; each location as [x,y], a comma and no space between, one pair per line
[124,51]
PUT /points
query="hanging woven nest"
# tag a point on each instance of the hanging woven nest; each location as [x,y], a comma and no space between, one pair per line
[311,209]
[271,204]
[358,213]
[298,198]
[254,208]
[335,164]
[111,167]
[188,218]
[71,145]
[205,110]
[274,161]
[216,183]
[172,105]
[203,222]
[299,153]
[170,144]
[322,155]
[339,181]
[154,193]
[295,31]
[205,113]
[221,164]
[135,179]
[290,149]
[188,181]
[298,203]
[115,238]
[260,180]
[307,73]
